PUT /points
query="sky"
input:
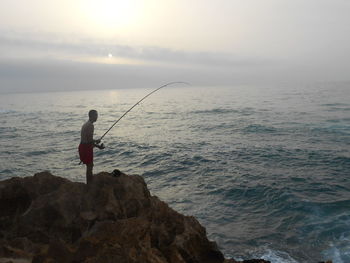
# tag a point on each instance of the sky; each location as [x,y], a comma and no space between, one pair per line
[51,45]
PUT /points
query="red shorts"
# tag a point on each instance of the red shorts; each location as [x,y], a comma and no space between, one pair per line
[86,153]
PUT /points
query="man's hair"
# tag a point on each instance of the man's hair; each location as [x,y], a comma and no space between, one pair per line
[92,113]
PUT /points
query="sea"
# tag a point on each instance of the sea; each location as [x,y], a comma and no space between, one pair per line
[265,169]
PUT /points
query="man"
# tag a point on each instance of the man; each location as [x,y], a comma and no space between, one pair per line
[87,143]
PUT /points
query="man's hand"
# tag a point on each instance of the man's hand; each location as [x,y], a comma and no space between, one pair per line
[101,147]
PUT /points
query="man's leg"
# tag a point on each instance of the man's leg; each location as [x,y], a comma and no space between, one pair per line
[89,172]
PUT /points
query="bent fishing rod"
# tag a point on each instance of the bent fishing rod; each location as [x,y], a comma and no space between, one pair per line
[149,94]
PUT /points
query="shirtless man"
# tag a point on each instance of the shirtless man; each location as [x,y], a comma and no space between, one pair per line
[87,143]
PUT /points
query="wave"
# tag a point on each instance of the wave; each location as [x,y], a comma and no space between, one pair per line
[335,129]
[266,253]
[40,152]
[257,128]
[338,109]
[274,256]
[335,104]
[289,157]
[338,250]
[339,120]
[244,111]
[7,111]
[312,220]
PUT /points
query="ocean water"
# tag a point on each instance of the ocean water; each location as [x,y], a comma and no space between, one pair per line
[265,169]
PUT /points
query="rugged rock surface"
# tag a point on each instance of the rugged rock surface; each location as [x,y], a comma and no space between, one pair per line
[46,218]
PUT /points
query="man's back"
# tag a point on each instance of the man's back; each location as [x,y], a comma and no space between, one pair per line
[87,132]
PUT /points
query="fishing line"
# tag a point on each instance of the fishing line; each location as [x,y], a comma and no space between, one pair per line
[137,103]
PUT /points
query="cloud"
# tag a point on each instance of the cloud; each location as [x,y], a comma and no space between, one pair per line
[61,75]
[17,46]
[42,62]
[53,75]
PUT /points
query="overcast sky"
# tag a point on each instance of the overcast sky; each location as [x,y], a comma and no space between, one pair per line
[91,44]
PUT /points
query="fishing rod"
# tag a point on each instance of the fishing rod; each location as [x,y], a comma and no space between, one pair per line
[170,83]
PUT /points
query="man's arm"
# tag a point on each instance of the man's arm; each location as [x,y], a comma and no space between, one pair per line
[89,134]
[95,143]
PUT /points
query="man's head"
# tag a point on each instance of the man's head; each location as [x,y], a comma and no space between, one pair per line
[93,115]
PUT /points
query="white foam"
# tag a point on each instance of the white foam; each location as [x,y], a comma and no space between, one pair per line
[6,111]
[339,251]
[271,255]
[334,254]
[277,256]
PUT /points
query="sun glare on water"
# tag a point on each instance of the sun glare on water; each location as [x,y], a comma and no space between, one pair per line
[112,15]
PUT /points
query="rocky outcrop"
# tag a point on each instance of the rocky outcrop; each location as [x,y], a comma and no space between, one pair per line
[45,218]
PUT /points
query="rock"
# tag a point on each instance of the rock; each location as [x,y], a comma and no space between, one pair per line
[46,218]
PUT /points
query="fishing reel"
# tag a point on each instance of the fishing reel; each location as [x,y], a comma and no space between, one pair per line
[100,146]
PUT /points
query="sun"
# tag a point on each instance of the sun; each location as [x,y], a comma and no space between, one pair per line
[109,15]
